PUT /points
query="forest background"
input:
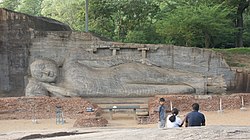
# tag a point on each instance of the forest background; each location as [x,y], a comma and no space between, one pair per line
[191,23]
[196,23]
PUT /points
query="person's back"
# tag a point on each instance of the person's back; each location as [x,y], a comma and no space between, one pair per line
[195,118]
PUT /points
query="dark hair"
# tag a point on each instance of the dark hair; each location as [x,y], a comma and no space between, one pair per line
[195,106]
[162,100]
[175,112]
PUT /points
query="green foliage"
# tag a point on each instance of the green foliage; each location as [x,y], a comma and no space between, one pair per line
[10,4]
[136,37]
[32,7]
[70,12]
[117,18]
[200,25]
[246,35]
[245,51]
[234,56]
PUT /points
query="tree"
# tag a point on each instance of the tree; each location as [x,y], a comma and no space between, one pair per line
[31,7]
[239,7]
[242,5]
[70,12]
[182,22]
[10,4]
[136,37]
[116,18]
[189,25]
[246,34]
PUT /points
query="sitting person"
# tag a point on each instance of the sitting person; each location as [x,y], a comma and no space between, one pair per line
[173,120]
[195,118]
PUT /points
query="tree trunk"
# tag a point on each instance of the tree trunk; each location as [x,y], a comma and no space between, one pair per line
[239,22]
[208,40]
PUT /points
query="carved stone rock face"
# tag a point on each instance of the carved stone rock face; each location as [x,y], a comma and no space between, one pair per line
[89,75]
[105,68]
[44,71]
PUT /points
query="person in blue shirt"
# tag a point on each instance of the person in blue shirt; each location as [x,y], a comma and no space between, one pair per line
[162,113]
[195,118]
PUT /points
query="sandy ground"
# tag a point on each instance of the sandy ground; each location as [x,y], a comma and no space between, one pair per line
[227,117]
[13,129]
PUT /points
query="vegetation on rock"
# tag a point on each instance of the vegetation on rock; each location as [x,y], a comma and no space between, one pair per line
[217,23]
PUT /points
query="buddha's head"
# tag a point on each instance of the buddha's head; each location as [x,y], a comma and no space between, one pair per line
[44,70]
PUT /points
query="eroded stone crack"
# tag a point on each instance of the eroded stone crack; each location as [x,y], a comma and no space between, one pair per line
[57,134]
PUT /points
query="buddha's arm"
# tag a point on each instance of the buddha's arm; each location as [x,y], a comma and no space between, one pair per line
[59,91]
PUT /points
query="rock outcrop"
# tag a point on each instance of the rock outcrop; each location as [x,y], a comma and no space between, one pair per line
[15,41]
[122,69]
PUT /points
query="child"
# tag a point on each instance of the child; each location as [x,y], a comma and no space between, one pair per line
[173,120]
[162,113]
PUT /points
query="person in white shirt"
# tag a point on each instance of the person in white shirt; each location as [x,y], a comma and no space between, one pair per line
[173,120]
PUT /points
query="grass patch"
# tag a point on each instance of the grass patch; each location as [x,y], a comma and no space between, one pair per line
[241,51]
[235,64]
[236,57]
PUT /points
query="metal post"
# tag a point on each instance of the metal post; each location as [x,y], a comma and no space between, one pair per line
[220,104]
[86,15]
[221,109]
[242,104]
[111,114]
[171,105]
[134,110]
[242,101]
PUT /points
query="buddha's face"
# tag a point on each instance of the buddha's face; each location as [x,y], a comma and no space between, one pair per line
[44,70]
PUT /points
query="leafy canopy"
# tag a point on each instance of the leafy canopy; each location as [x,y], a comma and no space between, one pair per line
[191,25]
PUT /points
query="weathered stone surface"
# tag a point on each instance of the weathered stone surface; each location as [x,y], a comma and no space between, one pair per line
[204,66]
[110,77]
[89,65]
[15,41]
[195,133]
[121,75]
[42,83]
[190,133]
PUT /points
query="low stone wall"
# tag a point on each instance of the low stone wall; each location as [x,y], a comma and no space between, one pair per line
[45,108]
[206,102]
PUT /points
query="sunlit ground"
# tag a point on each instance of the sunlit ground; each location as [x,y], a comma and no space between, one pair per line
[227,117]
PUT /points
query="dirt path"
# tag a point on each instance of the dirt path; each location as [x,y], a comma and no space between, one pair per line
[228,117]
[231,124]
